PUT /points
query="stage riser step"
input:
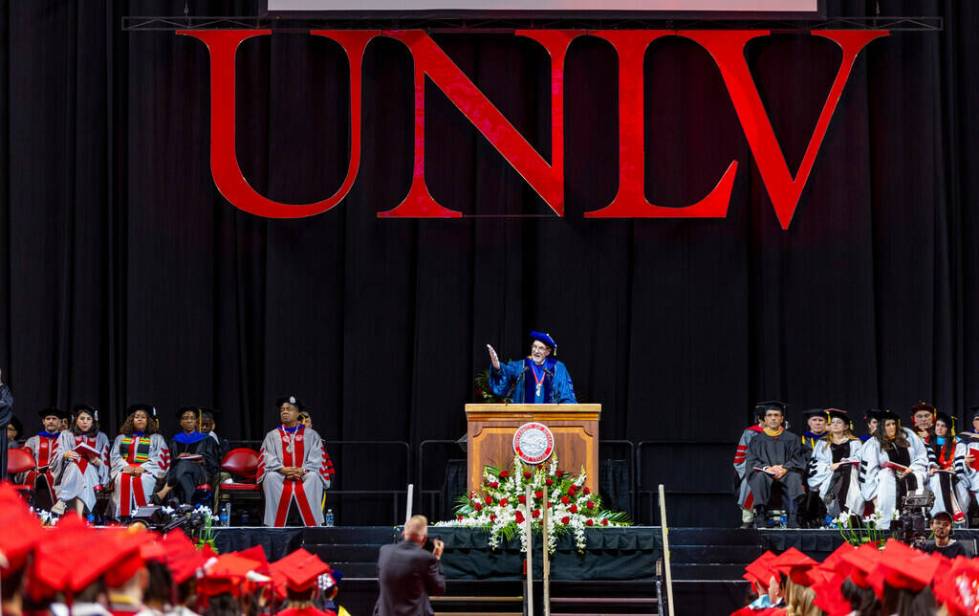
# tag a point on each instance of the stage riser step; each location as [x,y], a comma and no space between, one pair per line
[346,535]
[733,554]
[347,553]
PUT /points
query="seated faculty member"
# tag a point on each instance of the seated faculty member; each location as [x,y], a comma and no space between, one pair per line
[408,573]
[139,455]
[537,379]
[775,456]
[291,469]
[194,458]
[44,446]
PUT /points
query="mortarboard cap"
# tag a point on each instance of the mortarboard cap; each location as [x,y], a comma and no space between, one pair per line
[834,413]
[806,414]
[299,571]
[293,400]
[21,534]
[544,338]
[862,562]
[256,553]
[973,412]
[85,408]
[56,412]
[149,409]
[770,405]
[887,414]
[905,568]
[946,419]
[921,405]
[193,409]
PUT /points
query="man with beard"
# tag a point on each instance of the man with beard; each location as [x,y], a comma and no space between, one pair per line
[923,416]
[775,457]
[536,379]
[44,446]
[942,542]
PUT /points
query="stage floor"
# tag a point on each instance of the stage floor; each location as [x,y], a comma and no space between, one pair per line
[706,563]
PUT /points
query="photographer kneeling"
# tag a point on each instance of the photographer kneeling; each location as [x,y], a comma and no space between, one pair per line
[941,527]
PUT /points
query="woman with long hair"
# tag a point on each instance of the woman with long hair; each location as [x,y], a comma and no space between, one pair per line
[893,464]
[139,456]
[81,462]
[836,459]
[941,470]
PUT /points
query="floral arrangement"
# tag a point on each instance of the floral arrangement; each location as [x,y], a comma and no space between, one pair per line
[856,532]
[501,506]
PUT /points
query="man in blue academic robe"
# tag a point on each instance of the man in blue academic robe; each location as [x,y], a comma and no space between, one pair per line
[536,379]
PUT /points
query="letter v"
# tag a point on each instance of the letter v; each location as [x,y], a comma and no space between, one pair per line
[727,49]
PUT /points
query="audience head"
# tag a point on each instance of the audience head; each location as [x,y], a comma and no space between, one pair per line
[416,529]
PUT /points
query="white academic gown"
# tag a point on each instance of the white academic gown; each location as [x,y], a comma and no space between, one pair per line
[80,479]
[879,484]
[302,447]
[131,491]
[821,478]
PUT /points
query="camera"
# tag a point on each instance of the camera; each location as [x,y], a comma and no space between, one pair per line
[430,543]
[912,525]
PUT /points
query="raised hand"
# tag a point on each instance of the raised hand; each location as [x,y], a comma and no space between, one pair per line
[494,358]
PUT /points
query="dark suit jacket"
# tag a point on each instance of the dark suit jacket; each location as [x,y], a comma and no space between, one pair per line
[407,575]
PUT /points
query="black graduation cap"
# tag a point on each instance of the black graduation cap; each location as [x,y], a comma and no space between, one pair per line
[973,412]
[293,400]
[52,411]
[763,407]
[838,414]
[184,409]
[85,408]
[214,413]
[806,414]
[920,405]
[142,406]
[888,414]
[872,414]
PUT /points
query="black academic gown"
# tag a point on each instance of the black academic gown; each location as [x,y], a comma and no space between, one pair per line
[6,414]
[785,450]
[185,475]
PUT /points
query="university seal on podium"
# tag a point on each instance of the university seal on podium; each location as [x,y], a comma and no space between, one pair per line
[533,443]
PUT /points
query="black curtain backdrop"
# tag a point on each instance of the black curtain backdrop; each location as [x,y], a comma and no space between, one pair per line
[126,277]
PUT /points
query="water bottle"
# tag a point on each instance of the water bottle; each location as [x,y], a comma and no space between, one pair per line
[224,515]
[328,518]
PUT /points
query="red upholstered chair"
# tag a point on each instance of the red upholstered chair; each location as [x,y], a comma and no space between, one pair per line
[20,461]
[242,464]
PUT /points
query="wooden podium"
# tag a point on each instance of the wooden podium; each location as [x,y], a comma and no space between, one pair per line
[575,429]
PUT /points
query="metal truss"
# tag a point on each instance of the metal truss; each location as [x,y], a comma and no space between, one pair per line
[464,23]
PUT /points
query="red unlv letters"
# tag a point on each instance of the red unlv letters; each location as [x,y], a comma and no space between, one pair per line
[726,47]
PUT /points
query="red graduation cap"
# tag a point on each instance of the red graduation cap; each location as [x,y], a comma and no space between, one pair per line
[862,562]
[298,572]
[227,575]
[958,588]
[256,553]
[791,559]
[759,570]
[829,597]
[21,534]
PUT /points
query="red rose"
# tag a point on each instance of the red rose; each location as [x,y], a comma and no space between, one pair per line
[478,507]
[494,484]
[535,513]
[522,499]
[538,494]
[492,517]
[459,517]
[504,502]
[526,474]
[565,500]
[549,481]
[572,489]
[590,505]
[604,522]
[565,520]
[504,474]
[590,522]
[573,509]
[519,517]
[489,500]
[559,474]
[586,491]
